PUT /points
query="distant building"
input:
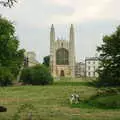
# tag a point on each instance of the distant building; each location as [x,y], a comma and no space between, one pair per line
[91,65]
[31,56]
[62,54]
[80,69]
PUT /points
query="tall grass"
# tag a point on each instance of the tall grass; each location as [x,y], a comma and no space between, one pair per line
[52,101]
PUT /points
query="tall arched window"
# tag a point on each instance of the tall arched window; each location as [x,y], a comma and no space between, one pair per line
[62,57]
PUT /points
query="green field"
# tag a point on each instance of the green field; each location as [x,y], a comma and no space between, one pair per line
[52,102]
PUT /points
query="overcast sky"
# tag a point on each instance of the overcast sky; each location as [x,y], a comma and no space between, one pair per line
[91,18]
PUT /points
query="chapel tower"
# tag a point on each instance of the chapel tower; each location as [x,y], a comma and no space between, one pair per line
[62,54]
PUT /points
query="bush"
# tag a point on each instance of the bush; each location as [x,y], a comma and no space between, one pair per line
[108,78]
[108,101]
[105,98]
[6,77]
[26,76]
[38,75]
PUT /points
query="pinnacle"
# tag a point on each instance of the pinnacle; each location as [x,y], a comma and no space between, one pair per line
[52,26]
[71,25]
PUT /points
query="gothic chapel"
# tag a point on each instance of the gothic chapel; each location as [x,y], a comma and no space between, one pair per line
[62,54]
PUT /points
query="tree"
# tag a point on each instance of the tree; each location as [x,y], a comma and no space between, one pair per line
[7,3]
[109,70]
[46,60]
[6,77]
[37,75]
[10,56]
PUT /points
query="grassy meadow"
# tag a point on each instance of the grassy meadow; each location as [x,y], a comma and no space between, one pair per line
[52,102]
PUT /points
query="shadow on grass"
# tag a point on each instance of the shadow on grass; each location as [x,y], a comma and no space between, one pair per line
[73,84]
[88,105]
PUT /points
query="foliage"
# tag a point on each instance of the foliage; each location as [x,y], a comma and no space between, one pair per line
[38,75]
[10,56]
[106,98]
[46,60]
[112,101]
[5,77]
[109,70]
[26,76]
[107,91]
[7,3]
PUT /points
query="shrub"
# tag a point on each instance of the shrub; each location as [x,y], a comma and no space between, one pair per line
[26,76]
[105,98]
[38,75]
[108,78]
[108,101]
[6,77]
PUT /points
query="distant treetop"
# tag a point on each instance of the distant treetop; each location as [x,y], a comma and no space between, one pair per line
[7,3]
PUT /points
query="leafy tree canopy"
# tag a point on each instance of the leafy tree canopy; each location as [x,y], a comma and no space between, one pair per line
[7,3]
[109,70]
[10,56]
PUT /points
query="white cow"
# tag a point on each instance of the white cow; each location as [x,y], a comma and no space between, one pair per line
[74,98]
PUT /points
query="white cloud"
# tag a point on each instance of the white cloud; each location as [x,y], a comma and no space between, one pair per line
[62,11]
[83,11]
[61,2]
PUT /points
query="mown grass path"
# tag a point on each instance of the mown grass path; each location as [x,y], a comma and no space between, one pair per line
[52,102]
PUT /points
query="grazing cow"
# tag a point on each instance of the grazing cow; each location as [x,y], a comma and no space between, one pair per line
[77,98]
[74,99]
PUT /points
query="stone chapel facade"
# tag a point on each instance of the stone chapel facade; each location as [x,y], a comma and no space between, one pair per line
[62,54]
